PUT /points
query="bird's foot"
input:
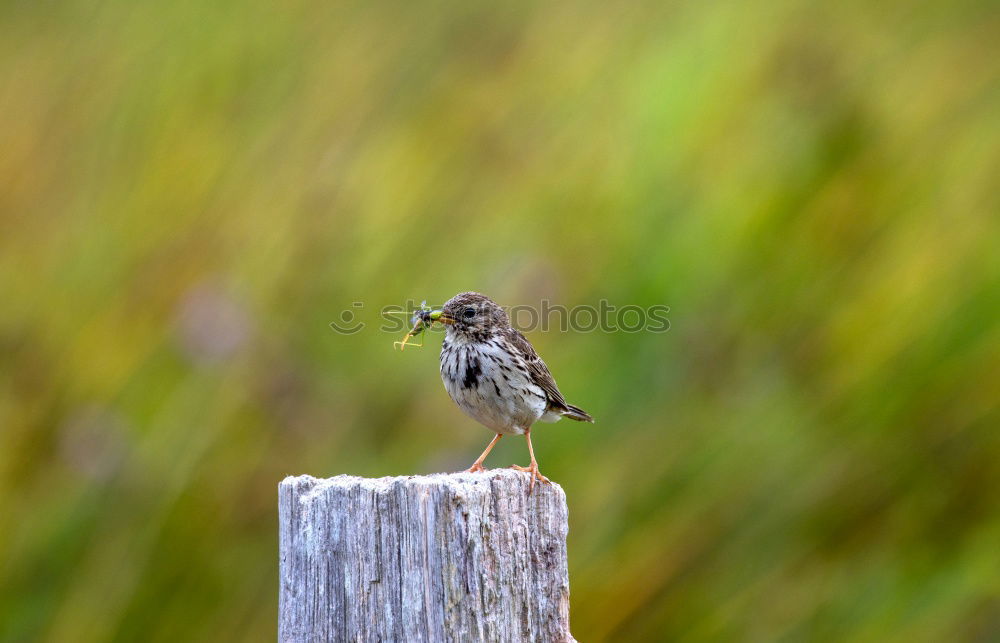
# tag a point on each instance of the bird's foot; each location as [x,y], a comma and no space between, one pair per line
[535,475]
[475,468]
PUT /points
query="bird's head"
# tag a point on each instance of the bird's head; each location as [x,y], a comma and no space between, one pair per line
[474,316]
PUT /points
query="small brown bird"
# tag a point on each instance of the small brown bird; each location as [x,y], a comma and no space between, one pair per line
[495,376]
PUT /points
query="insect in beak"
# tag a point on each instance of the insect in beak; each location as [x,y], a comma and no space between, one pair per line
[418,328]
[441,316]
[422,320]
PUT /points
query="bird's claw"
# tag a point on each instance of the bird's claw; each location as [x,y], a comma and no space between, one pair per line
[535,475]
[475,468]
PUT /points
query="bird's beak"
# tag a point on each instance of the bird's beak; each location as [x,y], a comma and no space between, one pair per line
[441,316]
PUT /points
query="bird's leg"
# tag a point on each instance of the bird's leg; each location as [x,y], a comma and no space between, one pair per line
[478,464]
[533,467]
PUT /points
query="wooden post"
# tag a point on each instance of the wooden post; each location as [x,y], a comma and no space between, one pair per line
[447,557]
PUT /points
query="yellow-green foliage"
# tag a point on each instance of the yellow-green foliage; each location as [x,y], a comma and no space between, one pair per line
[191,191]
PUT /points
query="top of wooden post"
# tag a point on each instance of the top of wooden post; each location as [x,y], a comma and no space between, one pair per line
[444,557]
[507,480]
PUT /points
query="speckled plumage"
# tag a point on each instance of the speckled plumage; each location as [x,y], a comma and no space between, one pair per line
[494,375]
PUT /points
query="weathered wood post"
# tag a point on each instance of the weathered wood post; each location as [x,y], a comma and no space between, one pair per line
[447,557]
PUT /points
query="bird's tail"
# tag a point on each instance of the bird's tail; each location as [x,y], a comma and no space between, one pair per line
[576,413]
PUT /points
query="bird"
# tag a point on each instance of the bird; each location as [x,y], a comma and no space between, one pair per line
[492,372]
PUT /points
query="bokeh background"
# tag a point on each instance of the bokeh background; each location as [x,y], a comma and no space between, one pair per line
[190,192]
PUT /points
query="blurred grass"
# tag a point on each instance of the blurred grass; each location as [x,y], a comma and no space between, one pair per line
[191,192]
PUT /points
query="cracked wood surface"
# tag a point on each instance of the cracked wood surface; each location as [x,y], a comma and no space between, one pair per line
[446,557]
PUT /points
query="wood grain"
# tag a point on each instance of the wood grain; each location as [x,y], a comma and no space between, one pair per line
[448,557]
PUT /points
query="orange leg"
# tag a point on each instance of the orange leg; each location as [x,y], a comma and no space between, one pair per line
[478,464]
[533,467]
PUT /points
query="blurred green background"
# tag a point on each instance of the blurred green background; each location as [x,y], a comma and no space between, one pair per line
[190,192]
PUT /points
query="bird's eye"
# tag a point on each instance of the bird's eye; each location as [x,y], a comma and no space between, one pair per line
[469,313]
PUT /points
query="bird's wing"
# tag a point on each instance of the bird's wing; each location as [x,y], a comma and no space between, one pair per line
[537,369]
